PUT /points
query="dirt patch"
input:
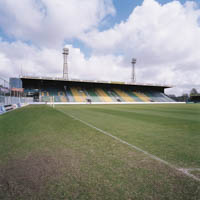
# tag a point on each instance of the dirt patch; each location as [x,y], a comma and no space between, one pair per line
[21,178]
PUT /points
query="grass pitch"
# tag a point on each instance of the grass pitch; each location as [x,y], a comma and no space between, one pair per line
[46,154]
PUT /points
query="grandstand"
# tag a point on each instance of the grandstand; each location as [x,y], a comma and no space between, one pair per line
[65,90]
[195,98]
[47,89]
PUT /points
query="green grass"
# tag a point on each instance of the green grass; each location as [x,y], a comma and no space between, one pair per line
[172,132]
[45,154]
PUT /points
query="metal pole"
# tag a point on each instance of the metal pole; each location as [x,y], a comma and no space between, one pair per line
[133,79]
[65,67]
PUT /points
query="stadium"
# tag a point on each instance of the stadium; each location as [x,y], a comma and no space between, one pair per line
[63,138]
[65,90]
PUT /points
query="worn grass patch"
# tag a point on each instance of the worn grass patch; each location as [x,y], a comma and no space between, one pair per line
[45,154]
[196,173]
[20,178]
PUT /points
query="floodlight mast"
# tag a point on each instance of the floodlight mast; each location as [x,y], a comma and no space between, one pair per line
[133,79]
[65,66]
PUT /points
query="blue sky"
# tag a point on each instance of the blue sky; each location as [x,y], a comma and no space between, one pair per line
[103,36]
[123,10]
[125,7]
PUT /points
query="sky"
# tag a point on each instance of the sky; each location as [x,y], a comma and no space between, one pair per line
[103,36]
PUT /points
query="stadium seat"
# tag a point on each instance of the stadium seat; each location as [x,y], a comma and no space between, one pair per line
[103,95]
[124,95]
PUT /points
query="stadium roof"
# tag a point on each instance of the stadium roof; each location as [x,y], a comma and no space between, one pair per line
[93,81]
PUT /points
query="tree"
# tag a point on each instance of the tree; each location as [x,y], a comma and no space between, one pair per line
[193,91]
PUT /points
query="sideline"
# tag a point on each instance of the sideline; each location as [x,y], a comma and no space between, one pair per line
[107,103]
[182,170]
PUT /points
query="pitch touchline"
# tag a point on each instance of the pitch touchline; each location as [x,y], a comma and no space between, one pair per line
[134,147]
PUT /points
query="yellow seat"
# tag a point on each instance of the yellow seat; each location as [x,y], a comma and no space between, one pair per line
[124,96]
[104,97]
[142,96]
[77,96]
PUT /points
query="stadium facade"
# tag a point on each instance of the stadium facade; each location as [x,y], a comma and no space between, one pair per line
[48,89]
[65,90]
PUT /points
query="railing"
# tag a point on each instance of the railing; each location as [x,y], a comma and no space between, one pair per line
[6,100]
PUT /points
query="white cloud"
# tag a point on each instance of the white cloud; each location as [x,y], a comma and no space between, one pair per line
[5,66]
[164,39]
[22,58]
[18,57]
[50,22]
[103,67]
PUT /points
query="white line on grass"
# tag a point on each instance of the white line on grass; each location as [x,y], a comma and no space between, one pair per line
[134,147]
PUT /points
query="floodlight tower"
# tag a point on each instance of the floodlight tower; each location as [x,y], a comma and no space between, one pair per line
[133,79]
[65,67]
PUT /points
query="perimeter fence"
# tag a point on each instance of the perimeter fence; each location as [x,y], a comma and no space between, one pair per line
[10,96]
